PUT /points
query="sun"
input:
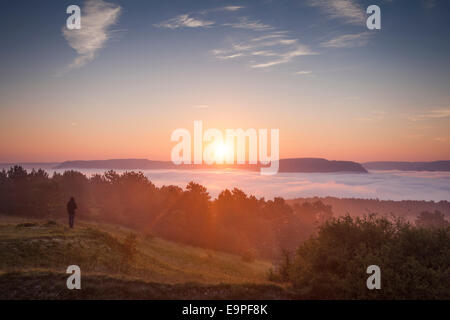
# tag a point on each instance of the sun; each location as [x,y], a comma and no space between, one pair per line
[221,152]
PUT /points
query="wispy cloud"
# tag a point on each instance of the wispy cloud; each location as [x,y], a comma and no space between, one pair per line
[286,57]
[348,40]
[246,23]
[432,114]
[272,35]
[439,113]
[348,11]
[194,19]
[264,53]
[232,8]
[442,139]
[303,72]
[96,19]
[374,116]
[230,56]
[184,20]
[273,44]
[219,9]
[269,44]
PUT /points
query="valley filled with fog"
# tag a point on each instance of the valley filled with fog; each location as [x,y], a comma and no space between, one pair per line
[383,185]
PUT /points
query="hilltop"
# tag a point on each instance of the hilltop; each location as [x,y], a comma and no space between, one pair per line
[34,255]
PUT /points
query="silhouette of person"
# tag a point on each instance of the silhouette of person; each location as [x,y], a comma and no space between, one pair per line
[71,207]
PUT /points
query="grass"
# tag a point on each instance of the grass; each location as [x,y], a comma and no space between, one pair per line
[51,285]
[34,255]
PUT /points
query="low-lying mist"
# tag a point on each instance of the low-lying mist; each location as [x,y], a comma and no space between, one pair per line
[384,185]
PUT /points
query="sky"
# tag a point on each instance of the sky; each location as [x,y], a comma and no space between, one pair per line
[138,70]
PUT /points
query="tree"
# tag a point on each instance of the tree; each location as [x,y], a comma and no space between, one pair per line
[17,173]
[434,219]
[413,261]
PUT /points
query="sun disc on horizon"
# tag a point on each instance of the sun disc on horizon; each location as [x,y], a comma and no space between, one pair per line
[221,152]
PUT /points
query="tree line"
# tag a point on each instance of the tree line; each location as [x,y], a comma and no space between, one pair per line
[234,222]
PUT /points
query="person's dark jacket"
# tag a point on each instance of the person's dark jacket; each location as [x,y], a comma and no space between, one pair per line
[71,206]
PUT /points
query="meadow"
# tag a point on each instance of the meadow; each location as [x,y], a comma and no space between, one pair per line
[34,255]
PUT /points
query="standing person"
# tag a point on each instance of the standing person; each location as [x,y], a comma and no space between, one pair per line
[71,207]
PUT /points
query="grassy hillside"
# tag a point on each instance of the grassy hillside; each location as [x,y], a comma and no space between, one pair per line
[34,255]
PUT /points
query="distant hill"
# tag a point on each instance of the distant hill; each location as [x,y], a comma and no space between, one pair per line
[119,164]
[286,165]
[408,166]
[319,165]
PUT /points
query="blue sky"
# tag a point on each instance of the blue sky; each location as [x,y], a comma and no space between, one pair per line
[311,68]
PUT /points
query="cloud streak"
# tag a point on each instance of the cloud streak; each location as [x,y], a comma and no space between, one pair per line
[346,10]
[268,46]
[232,8]
[96,19]
[195,19]
[432,114]
[348,40]
[271,48]
[286,57]
[184,21]
[246,23]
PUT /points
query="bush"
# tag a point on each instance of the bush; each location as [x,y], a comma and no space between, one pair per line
[414,262]
[434,219]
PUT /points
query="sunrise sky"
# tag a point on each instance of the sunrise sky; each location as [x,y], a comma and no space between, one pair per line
[138,70]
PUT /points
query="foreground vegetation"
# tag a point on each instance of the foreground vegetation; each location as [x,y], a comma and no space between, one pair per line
[51,285]
[40,244]
[414,261]
[116,263]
